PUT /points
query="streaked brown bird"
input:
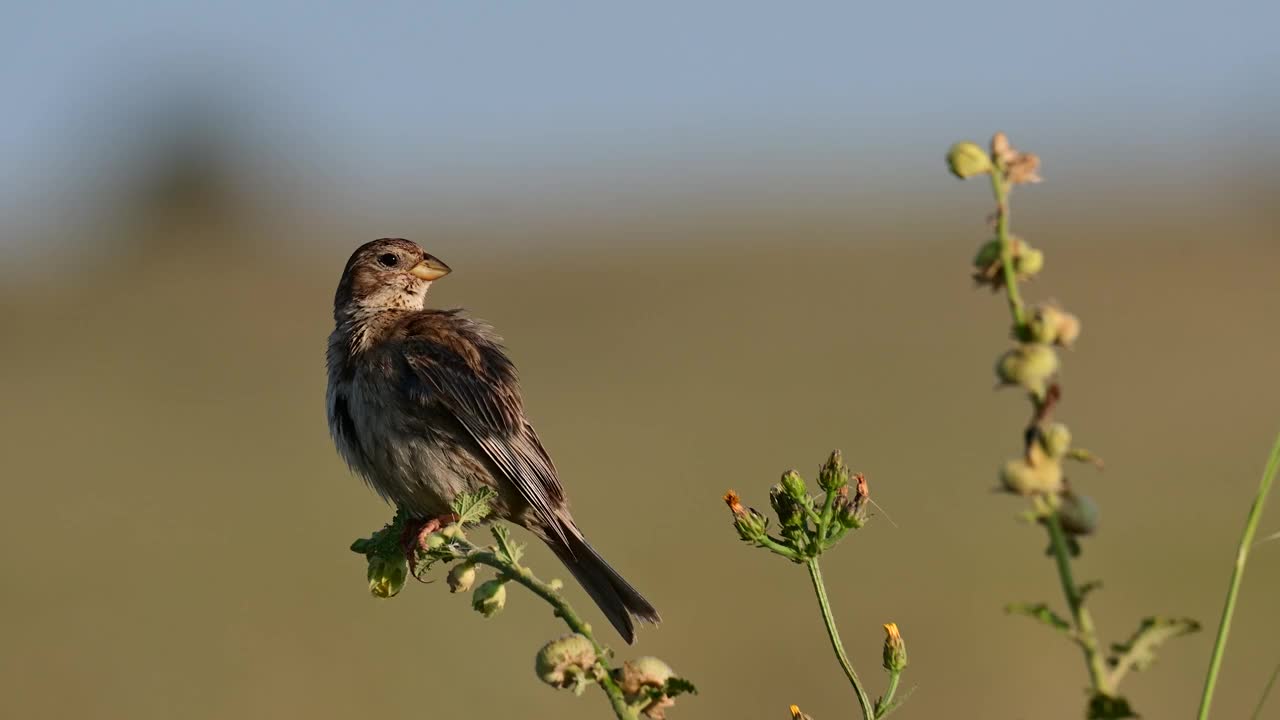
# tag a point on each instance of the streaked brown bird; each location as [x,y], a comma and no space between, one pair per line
[424,404]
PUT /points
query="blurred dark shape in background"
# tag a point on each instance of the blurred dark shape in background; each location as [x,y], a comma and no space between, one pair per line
[184,169]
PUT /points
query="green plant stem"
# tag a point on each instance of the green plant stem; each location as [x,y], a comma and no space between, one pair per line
[1266,690]
[1237,575]
[564,611]
[1086,636]
[1000,188]
[864,701]
[780,548]
[885,703]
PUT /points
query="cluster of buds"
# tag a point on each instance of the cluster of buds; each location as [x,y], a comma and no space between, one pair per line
[569,663]
[967,159]
[807,526]
[1032,364]
[649,685]
[988,262]
[410,545]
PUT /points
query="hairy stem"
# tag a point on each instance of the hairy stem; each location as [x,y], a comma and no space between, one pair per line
[885,703]
[1000,187]
[1237,575]
[864,701]
[525,577]
[1085,634]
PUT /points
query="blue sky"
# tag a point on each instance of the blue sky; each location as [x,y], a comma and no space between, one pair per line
[373,95]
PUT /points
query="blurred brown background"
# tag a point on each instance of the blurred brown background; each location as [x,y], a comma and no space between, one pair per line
[689,314]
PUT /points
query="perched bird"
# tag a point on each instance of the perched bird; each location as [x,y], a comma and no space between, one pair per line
[424,404]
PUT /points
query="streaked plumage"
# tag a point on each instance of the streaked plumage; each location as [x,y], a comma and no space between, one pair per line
[424,404]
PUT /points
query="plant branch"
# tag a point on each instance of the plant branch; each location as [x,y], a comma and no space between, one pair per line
[864,701]
[1237,575]
[524,576]
[1085,635]
[885,703]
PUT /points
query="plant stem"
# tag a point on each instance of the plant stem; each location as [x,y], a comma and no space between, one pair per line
[1086,636]
[1237,575]
[815,574]
[564,611]
[886,702]
[1000,187]
[1257,712]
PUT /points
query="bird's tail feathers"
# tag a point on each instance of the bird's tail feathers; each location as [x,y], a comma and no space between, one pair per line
[618,600]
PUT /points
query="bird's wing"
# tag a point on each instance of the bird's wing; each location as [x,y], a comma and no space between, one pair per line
[460,364]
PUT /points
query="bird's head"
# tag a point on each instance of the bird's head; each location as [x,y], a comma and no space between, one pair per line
[384,274]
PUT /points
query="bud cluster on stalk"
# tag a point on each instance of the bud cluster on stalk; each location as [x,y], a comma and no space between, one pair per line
[1032,363]
[1038,474]
[807,526]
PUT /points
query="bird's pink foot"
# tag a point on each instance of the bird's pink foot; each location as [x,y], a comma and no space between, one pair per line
[416,531]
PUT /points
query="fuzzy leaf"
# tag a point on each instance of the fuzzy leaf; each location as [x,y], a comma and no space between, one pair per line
[471,508]
[678,686]
[1041,612]
[508,549]
[1140,651]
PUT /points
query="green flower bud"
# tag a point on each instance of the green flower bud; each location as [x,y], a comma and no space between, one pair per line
[1028,263]
[489,597]
[461,577]
[1052,325]
[790,514]
[793,485]
[567,663]
[451,531]
[1056,440]
[849,515]
[895,650]
[1029,366]
[645,678]
[966,159]
[833,475]
[751,525]
[434,541]
[387,575]
[1022,478]
[1078,514]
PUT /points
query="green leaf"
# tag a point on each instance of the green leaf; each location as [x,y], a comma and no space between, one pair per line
[508,550]
[1089,587]
[678,686]
[471,508]
[1140,651]
[1041,612]
[1105,707]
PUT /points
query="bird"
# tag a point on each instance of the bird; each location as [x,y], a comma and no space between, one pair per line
[424,404]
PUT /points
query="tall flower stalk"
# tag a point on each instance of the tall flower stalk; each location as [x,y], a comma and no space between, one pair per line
[1039,474]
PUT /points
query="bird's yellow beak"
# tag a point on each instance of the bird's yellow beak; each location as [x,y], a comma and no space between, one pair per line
[430,269]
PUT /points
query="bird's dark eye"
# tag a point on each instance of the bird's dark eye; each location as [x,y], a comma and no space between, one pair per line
[388,259]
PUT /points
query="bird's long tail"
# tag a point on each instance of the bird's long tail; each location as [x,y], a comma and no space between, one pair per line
[616,597]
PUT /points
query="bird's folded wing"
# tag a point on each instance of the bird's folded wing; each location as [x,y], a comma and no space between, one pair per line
[477,384]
